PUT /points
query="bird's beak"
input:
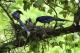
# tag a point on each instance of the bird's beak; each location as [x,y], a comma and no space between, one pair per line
[21,13]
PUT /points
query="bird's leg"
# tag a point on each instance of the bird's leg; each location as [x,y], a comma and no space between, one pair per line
[55,25]
[44,25]
[48,24]
[35,23]
[60,25]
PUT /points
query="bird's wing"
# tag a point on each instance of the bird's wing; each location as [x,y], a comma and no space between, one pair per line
[24,27]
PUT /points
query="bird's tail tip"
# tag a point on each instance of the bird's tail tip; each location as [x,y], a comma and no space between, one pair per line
[69,20]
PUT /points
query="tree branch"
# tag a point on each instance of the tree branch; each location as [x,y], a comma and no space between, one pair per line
[51,8]
[6,11]
[36,34]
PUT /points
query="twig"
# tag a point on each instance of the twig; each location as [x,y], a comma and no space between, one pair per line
[58,5]
[51,7]
[7,13]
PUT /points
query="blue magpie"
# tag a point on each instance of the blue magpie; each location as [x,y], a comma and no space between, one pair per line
[48,19]
[16,16]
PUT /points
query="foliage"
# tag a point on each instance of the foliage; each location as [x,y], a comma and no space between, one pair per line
[34,8]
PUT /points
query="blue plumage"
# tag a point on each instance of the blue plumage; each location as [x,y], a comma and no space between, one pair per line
[44,19]
[23,26]
[16,16]
[48,19]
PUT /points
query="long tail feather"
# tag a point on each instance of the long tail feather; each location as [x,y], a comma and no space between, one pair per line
[59,19]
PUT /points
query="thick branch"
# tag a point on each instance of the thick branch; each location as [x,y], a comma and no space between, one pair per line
[38,35]
[67,30]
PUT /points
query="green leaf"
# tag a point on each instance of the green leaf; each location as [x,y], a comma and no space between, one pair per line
[50,11]
[26,5]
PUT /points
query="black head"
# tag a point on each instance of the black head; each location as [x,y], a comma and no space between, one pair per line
[19,12]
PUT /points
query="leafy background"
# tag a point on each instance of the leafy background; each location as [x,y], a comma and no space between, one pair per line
[68,43]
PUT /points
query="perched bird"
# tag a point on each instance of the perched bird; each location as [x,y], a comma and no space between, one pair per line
[16,16]
[48,19]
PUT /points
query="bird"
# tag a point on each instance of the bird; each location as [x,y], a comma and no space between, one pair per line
[16,16]
[48,19]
